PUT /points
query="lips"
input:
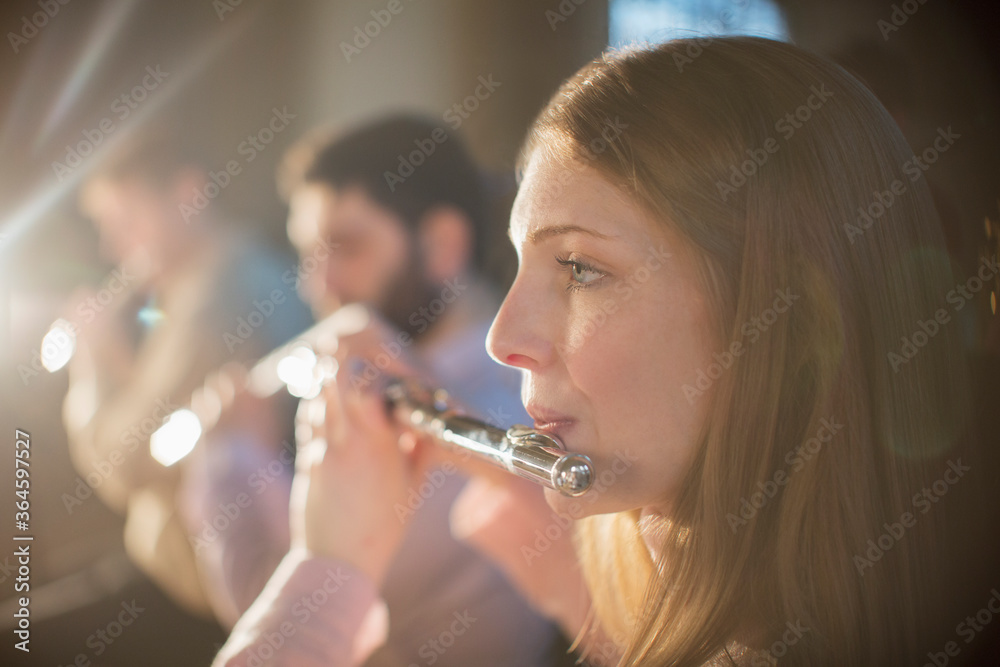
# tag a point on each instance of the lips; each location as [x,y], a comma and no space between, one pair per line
[550,421]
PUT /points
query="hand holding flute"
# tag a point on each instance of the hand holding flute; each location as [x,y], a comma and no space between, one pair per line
[351,475]
[353,333]
[362,452]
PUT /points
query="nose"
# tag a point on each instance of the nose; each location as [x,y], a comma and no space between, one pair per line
[518,335]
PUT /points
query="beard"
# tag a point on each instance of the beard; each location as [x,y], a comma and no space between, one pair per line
[408,290]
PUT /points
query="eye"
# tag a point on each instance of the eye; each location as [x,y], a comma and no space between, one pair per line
[582,275]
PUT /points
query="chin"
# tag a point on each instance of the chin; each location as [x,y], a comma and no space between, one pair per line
[580,506]
[614,487]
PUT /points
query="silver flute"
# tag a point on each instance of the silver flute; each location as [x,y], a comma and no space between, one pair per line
[523,451]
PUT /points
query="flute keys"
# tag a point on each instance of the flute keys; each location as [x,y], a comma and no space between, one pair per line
[519,434]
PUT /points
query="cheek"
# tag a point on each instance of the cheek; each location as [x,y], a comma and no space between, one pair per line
[144,233]
[639,356]
[387,254]
[353,279]
[315,284]
[632,368]
[154,232]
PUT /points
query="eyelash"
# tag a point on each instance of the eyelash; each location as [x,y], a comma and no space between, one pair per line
[571,265]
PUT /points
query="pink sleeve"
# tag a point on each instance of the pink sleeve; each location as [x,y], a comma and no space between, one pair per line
[313,611]
[238,527]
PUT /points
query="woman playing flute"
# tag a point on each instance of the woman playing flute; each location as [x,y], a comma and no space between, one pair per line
[701,309]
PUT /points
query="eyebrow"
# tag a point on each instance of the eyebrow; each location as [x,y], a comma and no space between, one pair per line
[538,235]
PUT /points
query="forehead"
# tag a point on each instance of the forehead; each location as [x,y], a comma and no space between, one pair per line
[317,208]
[319,200]
[103,197]
[569,193]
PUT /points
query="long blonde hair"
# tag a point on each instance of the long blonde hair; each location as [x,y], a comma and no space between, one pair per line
[693,115]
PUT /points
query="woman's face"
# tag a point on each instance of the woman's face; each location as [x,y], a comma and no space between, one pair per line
[607,321]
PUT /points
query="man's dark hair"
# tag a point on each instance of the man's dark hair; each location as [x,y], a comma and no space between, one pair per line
[377,157]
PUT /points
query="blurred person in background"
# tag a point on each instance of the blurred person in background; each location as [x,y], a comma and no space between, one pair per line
[406,242]
[191,287]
